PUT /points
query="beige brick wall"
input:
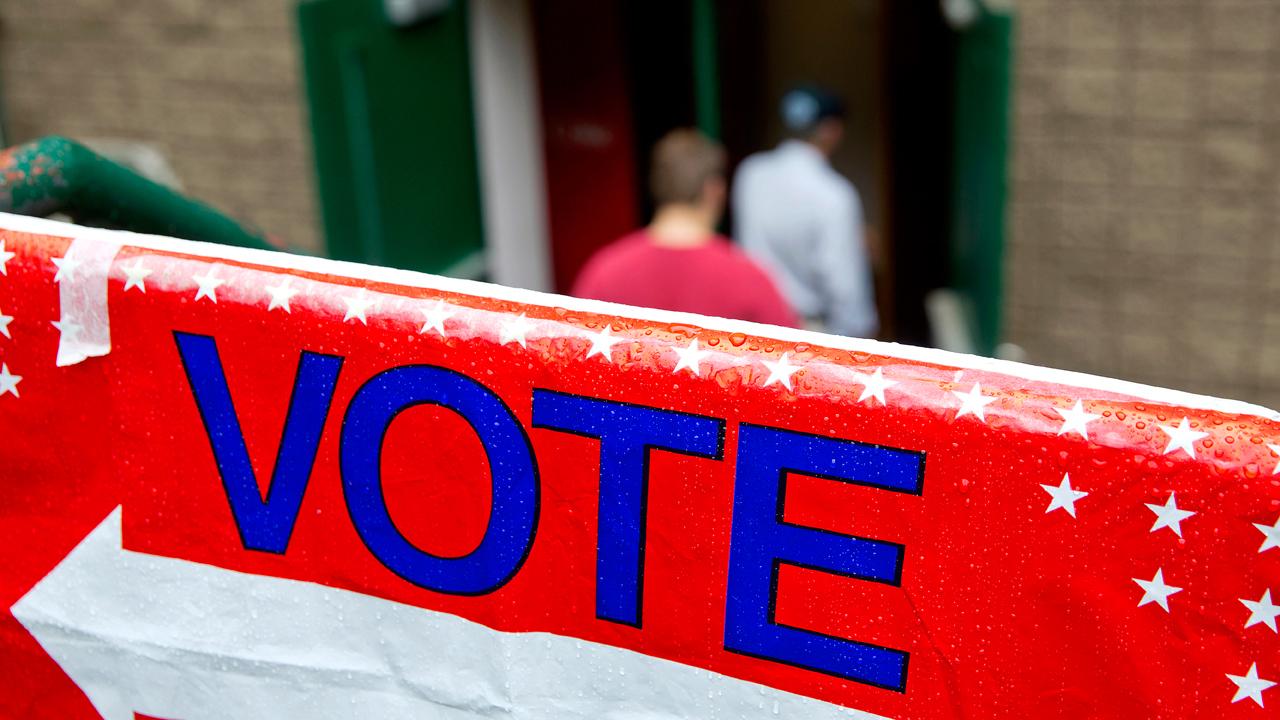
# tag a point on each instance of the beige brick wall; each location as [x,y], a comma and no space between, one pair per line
[215,86]
[1145,192]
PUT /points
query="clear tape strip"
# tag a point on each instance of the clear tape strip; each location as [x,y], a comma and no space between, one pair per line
[82,296]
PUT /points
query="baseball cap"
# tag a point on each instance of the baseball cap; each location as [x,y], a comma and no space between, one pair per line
[803,107]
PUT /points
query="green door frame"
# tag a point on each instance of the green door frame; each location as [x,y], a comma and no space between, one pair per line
[983,83]
[394,135]
[706,70]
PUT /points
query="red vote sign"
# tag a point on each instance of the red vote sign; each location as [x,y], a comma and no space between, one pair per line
[238,484]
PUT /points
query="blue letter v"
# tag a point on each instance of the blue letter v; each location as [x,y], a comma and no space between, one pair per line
[263,524]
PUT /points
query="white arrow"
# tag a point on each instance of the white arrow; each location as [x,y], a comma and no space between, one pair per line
[174,638]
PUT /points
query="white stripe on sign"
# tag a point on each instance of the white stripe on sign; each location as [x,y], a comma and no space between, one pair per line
[85,324]
[174,638]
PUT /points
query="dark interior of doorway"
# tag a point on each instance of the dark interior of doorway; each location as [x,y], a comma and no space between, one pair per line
[620,74]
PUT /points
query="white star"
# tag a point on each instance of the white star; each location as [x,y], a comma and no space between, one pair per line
[8,381]
[208,283]
[68,327]
[1169,516]
[690,357]
[873,385]
[513,329]
[358,305]
[1272,533]
[602,344]
[136,276]
[435,317]
[972,402]
[1064,496]
[780,371]
[4,324]
[1156,591]
[66,268]
[1275,449]
[5,257]
[1182,437]
[1250,685]
[1262,611]
[1076,420]
[281,294]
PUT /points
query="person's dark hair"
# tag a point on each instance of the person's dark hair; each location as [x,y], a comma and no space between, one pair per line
[683,161]
[805,106]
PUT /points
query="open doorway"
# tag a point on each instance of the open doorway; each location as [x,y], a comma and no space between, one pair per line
[615,76]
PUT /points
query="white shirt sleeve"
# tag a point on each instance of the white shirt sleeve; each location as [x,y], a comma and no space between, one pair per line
[845,269]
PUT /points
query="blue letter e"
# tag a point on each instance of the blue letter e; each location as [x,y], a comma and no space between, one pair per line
[762,541]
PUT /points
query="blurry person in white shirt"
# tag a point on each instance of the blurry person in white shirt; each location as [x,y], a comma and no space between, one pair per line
[804,220]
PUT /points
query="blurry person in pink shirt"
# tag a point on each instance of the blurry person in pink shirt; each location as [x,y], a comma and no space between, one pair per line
[679,262]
